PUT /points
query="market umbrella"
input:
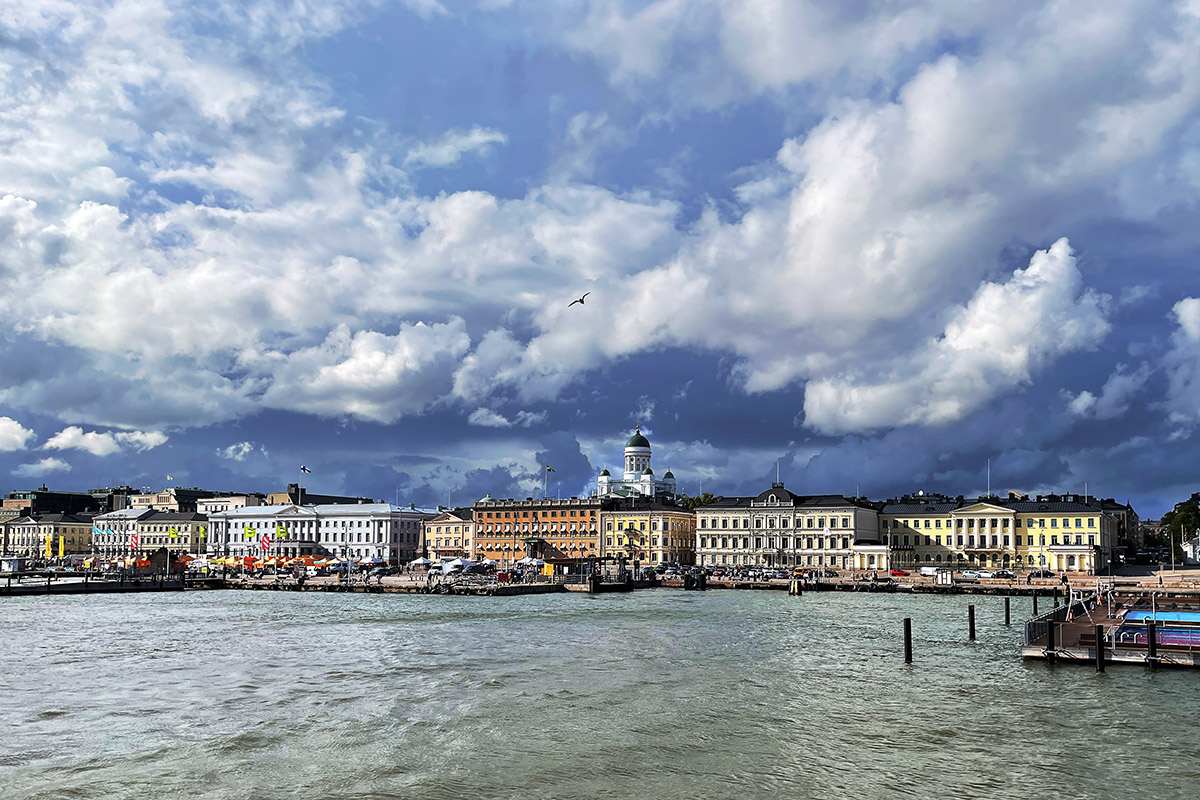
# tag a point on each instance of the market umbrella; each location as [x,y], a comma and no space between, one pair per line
[420,562]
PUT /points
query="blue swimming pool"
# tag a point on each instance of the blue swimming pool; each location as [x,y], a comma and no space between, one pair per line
[1164,616]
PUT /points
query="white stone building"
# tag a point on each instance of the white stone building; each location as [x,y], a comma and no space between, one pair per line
[638,478]
[356,531]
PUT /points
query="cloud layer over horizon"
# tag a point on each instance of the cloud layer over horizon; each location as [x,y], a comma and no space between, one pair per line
[876,246]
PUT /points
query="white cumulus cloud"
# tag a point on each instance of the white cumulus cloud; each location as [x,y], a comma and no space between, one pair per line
[240,451]
[999,340]
[43,467]
[100,443]
[13,435]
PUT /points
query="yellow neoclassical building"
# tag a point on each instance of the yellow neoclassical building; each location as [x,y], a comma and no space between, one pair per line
[1056,532]
[649,531]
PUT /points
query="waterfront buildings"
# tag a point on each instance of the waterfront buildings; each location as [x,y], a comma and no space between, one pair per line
[451,534]
[113,533]
[176,531]
[556,530]
[780,529]
[648,530]
[356,531]
[638,479]
[1057,532]
[40,536]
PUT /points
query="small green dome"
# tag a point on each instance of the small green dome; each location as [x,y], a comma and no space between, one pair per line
[487,498]
[668,475]
[647,471]
[637,440]
[605,473]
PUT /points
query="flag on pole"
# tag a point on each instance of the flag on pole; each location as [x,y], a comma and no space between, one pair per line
[280,531]
[49,545]
[248,531]
[265,542]
[549,469]
[201,533]
[305,470]
[62,547]
[133,541]
[174,533]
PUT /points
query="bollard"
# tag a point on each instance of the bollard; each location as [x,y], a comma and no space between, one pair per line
[1007,612]
[1099,648]
[1035,602]
[1152,642]
[971,622]
[908,640]
[1056,599]
[1050,648]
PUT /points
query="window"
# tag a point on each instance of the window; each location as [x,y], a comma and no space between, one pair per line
[926,523]
[1053,537]
[845,522]
[808,522]
[1092,539]
[1091,522]
[937,523]
[1053,523]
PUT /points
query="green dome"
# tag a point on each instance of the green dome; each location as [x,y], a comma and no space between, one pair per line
[668,475]
[487,498]
[637,440]
[605,473]
[647,471]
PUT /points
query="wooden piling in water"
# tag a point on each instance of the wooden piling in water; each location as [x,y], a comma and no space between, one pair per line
[1099,648]
[1152,642]
[1051,649]
[1035,602]
[971,622]
[908,640]
[1007,611]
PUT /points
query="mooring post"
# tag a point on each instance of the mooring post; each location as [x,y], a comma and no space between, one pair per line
[1035,602]
[1007,611]
[971,622]
[1152,642]
[908,640]
[1050,647]
[1056,599]
[1099,648]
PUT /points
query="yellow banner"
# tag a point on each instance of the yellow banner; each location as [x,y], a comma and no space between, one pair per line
[248,531]
[49,545]
[62,547]
[280,531]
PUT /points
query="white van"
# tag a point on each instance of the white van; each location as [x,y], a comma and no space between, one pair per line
[929,572]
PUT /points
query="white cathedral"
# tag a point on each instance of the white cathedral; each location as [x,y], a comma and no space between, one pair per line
[638,479]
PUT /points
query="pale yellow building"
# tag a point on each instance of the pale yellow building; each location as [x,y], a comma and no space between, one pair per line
[1055,532]
[50,534]
[451,534]
[649,531]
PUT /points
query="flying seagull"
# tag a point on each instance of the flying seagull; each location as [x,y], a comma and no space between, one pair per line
[305,469]
[580,300]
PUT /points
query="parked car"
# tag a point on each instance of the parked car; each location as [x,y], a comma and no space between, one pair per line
[986,573]
[970,574]
[899,572]
[719,572]
[1005,573]
[1042,573]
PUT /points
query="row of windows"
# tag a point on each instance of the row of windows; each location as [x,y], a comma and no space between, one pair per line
[786,543]
[996,541]
[784,522]
[552,514]
[996,522]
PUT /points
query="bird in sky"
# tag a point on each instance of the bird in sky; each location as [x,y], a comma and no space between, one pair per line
[305,469]
[580,300]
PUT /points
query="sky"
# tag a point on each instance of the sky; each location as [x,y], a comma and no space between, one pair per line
[882,247]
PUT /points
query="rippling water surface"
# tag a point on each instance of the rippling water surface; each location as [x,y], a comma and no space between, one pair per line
[659,694]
